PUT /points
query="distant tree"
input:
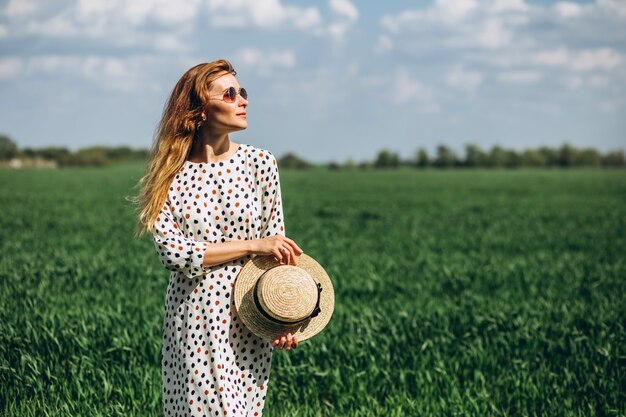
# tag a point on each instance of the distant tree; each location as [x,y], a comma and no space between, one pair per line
[497,156]
[141,153]
[28,152]
[57,153]
[614,159]
[119,153]
[291,160]
[533,158]
[567,155]
[474,156]
[512,159]
[387,159]
[91,156]
[445,157]
[333,166]
[551,156]
[588,157]
[365,165]
[421,158]
[125,153]
[8,148]
[350,164]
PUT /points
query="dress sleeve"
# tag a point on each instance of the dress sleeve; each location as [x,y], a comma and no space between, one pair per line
[177,252]
[272,205]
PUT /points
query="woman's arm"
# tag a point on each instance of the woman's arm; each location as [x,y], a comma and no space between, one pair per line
[217,253]
[176,251]
[273,222]
[191,257]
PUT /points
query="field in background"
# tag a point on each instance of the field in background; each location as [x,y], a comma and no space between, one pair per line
[468,293]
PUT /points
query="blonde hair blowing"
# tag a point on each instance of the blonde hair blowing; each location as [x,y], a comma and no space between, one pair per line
[173,139]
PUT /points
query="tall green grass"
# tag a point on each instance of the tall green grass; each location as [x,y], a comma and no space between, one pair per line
[465,293]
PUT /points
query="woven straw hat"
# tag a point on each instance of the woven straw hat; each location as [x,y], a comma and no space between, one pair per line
[273,299]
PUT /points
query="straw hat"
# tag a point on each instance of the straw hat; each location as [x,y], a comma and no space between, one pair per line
[273,299]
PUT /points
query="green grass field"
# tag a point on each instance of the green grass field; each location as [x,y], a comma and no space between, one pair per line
[458,293]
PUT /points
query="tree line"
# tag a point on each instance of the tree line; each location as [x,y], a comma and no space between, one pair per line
[89,156]
[497,157]
[445,157]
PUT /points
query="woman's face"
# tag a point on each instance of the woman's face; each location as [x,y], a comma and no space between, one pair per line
[223,117]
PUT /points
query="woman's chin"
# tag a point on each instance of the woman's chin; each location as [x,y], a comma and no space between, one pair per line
[234,127]
[242,126]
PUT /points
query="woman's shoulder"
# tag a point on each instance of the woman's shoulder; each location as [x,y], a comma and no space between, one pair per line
[259,155]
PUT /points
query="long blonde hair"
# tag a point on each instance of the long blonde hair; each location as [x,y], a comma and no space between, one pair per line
[174,137]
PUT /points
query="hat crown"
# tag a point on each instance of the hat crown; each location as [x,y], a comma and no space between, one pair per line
[287,293]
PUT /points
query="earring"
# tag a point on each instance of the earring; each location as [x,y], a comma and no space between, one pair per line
[203,117]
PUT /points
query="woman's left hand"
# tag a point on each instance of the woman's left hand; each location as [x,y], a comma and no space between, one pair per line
[286,341]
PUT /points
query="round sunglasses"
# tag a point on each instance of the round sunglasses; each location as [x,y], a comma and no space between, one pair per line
[231,94]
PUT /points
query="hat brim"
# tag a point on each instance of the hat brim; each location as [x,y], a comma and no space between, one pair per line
[262,327]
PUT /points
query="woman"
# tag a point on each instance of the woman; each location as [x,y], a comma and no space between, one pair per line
[211,204]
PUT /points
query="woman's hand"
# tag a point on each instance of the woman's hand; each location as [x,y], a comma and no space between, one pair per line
[283,248]
[287,341]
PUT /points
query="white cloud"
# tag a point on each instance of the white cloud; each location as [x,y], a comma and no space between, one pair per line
[493,34]
[573,82]
[4,32]
[613,104]
[603,58]
[130,23]
[442,12]
[345,15]
[613,6]
[267,14]
[524,77]
[10,67]
[383,45]
[576,81]
[407,91]
[452,10]
[568,9]
[264,62]
[399,22]
[156,24]
[598,81]
[582,61]
[108,18]
[119,74]
[137,12]
[463,79]
[463,23]
[344,8]
[19,8]
[580,41]
[552,58]
[510,5]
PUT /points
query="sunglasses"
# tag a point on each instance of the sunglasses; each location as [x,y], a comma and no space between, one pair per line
[231,94]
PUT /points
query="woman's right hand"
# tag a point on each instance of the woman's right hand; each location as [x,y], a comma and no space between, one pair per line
[283,248]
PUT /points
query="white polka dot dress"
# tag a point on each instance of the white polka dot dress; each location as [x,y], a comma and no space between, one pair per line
[212,364]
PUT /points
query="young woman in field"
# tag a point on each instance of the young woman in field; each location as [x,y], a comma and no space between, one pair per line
[211,204]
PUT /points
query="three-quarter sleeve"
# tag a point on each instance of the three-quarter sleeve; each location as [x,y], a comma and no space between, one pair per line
[271,201]
[177,252]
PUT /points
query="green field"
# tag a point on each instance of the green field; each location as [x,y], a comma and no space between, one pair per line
[458,293]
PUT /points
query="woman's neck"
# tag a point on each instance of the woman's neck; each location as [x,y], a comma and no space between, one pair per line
[212,148]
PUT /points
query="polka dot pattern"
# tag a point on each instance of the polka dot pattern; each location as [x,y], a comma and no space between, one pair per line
[212,365]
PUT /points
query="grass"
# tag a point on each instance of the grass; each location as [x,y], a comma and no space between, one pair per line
[461,293]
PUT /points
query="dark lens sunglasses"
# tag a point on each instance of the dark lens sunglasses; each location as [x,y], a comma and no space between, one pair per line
[231,94]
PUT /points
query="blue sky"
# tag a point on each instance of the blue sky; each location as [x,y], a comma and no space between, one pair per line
[329,80]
